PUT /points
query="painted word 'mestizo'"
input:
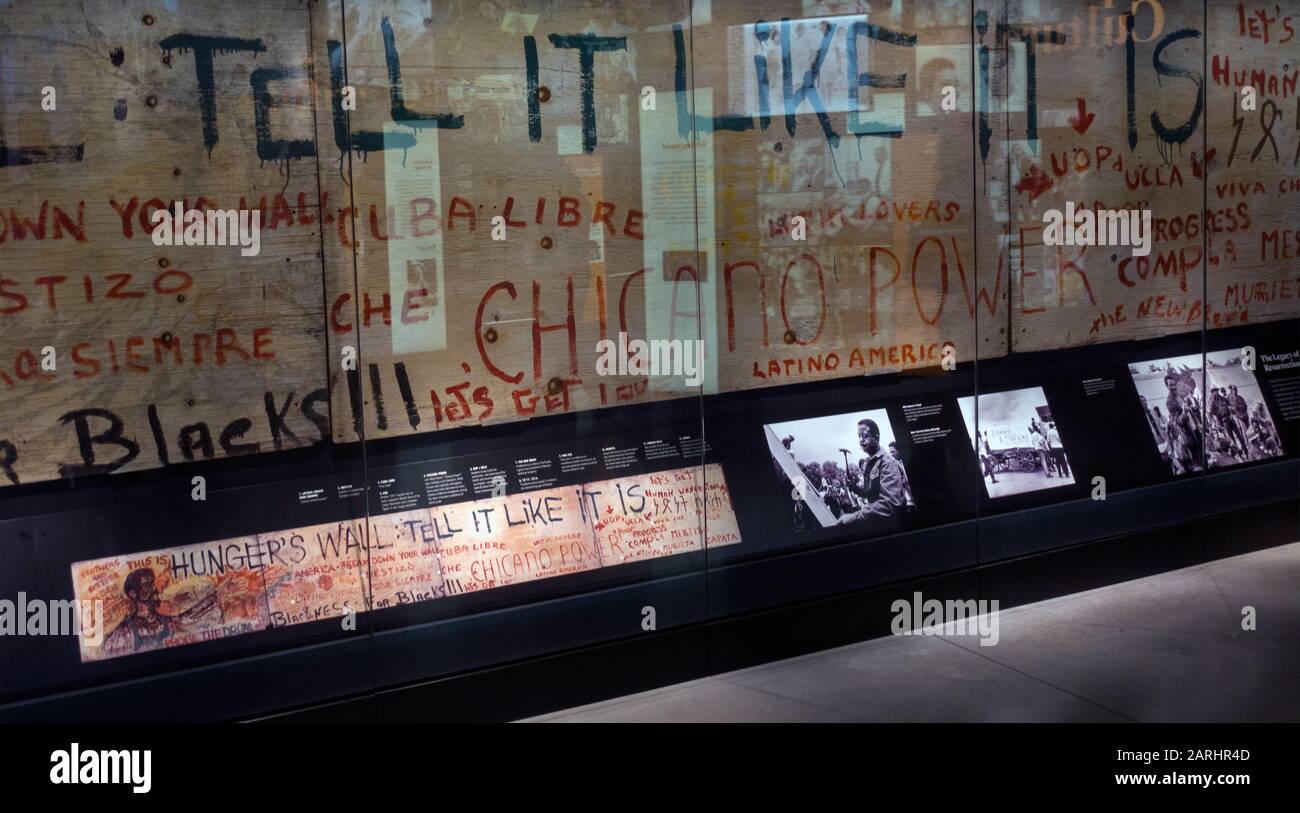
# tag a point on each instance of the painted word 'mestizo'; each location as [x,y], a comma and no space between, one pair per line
[657,357]
[1105,227]
[208,227]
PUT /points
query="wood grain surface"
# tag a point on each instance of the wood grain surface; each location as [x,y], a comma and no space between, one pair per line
[647,161]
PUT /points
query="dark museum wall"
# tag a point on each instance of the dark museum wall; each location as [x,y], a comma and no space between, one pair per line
[568,322]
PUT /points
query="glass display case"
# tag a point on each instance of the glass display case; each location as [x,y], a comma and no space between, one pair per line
[348,347]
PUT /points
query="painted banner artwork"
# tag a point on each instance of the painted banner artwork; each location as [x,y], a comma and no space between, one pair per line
[214,590]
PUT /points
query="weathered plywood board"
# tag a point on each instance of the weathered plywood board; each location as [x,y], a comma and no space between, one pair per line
[480,330]
[1117,119]
[163,354]
[642,199]
[1254,165]
[669,221]
[835,116]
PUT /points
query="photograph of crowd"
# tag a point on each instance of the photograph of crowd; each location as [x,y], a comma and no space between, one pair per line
[1205,411]
[1016,441]
[841,469]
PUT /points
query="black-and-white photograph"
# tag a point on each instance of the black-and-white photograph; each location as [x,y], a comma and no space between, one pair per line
[937,67]
[841,469]
[1205,411]
[1016,441]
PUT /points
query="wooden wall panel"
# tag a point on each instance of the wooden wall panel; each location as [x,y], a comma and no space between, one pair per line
[924,225]
[1254,167]
[164,354]
[885,276]
[481,330]
[1121,123]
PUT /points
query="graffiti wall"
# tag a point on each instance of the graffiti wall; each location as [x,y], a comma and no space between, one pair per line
[459,201]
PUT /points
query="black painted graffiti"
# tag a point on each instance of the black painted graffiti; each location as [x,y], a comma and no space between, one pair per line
[798,91]
[104,444]
[587,45]
[807,90]
[1269,115]
[204,49]
[399,111]
[269,149]
[24,156]
[1180,134]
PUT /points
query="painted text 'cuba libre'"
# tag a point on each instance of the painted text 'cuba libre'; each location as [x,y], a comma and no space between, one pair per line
[1104,227]
[208,227]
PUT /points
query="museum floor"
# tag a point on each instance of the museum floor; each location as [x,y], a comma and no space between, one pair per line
[1167,648]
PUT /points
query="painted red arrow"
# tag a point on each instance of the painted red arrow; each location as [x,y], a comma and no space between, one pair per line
[1082,120]
[1198,168]
[1035,182]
